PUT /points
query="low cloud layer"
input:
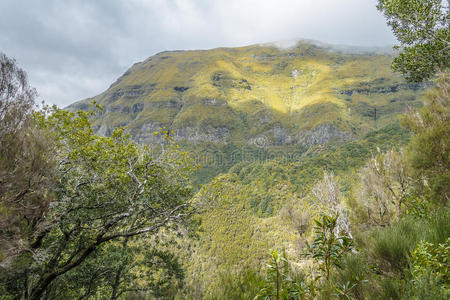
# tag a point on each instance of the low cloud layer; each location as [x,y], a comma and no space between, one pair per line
[75,49]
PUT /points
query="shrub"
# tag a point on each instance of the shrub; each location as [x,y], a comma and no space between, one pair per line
[328,248]
[430,261]
[391,246]
[238,285]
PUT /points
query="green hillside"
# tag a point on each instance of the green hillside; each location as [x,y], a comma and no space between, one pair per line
[263,123]
[259,95]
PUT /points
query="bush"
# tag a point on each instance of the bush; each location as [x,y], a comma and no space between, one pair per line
[389,256]
[238,285]
[425,286]
[352,274]
[391,246]
[439,226]
[429,264]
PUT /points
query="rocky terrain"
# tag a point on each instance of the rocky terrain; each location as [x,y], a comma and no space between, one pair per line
[260,95]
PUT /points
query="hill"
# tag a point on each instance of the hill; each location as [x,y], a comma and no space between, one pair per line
[260,95]
[264,122]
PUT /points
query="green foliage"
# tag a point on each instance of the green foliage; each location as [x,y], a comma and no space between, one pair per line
[236,231]
[231,236]
[278,283]
[108,190]
[422,28]
[429,152]
[385,259]
[97,237]
[327,248]
[4,295]
[432,260]
[168,282]
[439,226]
[350,280]
[425,287]
[304,170]
[239,285]
[128,268]
[391,246]
[346,290]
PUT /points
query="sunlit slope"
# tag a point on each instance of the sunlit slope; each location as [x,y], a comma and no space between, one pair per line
[260,95]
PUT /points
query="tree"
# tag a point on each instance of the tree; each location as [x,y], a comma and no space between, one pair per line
[385,186]
[422,28]
[330,201]
[125,268]
[108,189]
[328,248]
[26,167]
[429,152]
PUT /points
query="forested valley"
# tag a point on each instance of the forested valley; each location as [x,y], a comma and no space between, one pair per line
[258,172]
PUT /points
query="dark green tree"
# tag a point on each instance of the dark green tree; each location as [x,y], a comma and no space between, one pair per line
[126,268]
[108,190]
[422,28]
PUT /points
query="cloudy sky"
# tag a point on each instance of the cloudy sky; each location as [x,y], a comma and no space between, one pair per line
[73,49]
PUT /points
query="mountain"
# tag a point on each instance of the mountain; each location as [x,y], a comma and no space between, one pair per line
[265,122]
[261,95]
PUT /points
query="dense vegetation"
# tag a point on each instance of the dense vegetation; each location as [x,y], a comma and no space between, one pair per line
[78,210]
[86,212]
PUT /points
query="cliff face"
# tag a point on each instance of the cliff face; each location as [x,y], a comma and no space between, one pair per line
[258,95]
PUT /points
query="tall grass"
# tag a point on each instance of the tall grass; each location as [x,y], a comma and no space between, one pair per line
[383,259]
[391,246]
[241,285]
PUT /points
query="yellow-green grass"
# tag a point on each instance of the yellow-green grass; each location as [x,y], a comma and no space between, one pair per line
[300,88]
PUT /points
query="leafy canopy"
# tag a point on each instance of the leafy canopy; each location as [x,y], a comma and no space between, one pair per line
[422,28]
[108,189]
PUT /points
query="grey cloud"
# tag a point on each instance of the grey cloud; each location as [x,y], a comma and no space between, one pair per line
[76,49]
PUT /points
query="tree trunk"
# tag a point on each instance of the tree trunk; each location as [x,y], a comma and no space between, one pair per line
[116,283]
[45,282]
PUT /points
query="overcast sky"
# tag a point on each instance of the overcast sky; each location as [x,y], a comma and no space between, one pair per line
[76,49]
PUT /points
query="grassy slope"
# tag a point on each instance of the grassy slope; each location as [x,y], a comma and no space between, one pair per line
[261,206]
[256,88]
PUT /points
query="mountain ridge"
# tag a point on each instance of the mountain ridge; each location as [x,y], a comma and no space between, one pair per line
[258,95]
